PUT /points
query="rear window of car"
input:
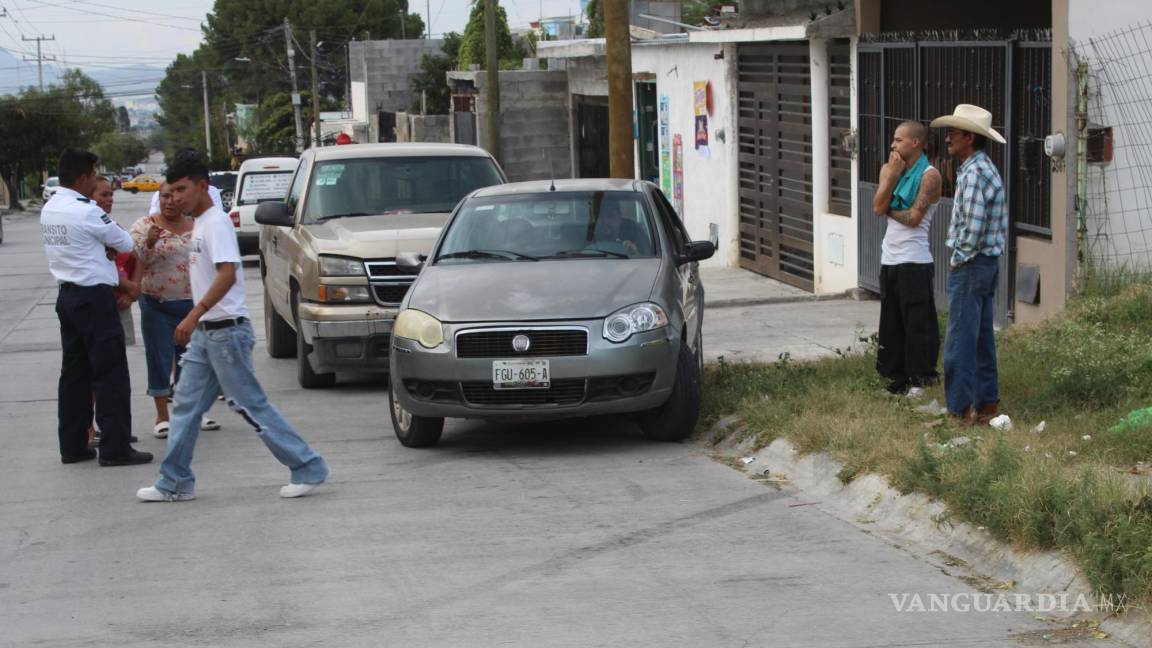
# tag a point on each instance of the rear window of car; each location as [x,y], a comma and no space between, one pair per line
[258,186]
[394,185]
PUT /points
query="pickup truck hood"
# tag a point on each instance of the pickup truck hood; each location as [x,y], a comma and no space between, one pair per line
[533,290]
[375,237]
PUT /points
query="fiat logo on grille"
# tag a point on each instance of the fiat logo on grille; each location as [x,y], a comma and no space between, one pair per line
[521,343]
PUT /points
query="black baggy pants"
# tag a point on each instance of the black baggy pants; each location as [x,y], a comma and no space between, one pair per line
[94,366]
[909,332]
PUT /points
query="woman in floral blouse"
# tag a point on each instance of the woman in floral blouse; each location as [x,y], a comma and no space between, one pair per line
[162,245]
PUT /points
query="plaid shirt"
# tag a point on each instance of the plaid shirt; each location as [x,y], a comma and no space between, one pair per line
[979,215]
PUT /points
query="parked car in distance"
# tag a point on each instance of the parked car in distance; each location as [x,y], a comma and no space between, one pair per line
[328,252]
[50,187]
[553,300]
[114,180]
[258,180]
[225,182]
[141,183]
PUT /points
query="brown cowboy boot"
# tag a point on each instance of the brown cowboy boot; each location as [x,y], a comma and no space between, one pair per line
[985,413]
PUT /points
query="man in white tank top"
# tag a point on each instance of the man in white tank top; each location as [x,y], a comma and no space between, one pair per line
[906,197]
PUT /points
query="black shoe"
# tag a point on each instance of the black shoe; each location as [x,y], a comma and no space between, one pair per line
[71,459]
[133,458]
[95,442]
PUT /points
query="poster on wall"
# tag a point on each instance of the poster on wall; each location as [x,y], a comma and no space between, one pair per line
[678,174]
[702,136]
[665,147]
[700,98]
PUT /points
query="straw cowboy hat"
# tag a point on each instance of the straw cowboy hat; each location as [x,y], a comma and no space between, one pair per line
[973,119]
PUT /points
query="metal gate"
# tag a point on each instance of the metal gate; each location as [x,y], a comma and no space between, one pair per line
[923,80]
[774,123]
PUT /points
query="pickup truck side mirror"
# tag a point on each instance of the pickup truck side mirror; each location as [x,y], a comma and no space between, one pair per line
[274,212]
[696,251]
[410,262]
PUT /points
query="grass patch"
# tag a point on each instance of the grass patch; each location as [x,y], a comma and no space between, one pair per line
[1064,488]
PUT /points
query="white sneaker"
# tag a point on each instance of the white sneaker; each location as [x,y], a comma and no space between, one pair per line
[297,490]
[153,494]
[160,430]
[208,424]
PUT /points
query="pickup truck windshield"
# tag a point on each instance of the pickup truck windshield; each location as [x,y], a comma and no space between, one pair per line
[394,185]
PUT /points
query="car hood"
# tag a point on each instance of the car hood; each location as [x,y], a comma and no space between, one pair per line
[533,290]
[375,237]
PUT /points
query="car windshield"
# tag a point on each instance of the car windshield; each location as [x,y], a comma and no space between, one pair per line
[394,185]
[257,187]
[53,182]
[550,225]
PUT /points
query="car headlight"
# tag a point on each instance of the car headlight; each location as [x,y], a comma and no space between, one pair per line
[334,266]
[420,326]
[626,322]
[344,294]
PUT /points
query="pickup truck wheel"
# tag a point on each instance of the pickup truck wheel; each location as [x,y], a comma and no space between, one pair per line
[280,336]
[676,418]
[413,431]
[307,378]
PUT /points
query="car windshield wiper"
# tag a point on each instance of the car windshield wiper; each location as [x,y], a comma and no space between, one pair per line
[598,252]
[487,254]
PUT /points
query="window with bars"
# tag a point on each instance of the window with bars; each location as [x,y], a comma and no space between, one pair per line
[840,126]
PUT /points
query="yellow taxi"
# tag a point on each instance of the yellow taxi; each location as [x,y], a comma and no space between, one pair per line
[142,183]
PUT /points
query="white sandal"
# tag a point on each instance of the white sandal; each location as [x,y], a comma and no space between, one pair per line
[160,430]
[208,424]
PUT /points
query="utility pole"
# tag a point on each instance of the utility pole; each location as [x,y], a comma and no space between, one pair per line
[207,118]
[315,88]
[616,32]
[428,27]
[403,36]
[492,57]
[295,88]
[40,58]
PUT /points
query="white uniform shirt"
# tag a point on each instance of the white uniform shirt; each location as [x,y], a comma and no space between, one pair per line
[76,232]
[214,241]
[212,191]
[903,244]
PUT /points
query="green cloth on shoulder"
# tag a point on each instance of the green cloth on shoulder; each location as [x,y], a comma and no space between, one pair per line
[909,185]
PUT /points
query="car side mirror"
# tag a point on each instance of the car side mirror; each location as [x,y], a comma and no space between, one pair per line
[274,212]
[410,262]
[697,251]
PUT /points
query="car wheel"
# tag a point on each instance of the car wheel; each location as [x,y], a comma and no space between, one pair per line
[413,431]
[280,336]
[133,190]
[676,418]
[226,199]
[307,378]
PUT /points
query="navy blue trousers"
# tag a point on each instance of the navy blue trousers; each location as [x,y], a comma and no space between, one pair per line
[94,368]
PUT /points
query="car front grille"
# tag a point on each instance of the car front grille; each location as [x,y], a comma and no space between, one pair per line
[389,293]
[389,282]
[542,343]
[568,391]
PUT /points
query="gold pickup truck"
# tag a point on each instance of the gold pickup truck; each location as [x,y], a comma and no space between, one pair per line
[328,251]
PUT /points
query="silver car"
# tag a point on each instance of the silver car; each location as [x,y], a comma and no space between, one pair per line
[552,300]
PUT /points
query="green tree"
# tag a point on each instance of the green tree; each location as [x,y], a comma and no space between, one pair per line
[181,98]
[472,49]
[433,80]
[595,13]
[118,150]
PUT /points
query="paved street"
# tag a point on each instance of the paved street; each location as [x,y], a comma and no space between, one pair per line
[562,534]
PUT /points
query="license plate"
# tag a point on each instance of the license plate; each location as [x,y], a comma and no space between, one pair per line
[520,374]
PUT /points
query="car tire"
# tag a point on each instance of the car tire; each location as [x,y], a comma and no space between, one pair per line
[133,191]
[281,338]
[676,418]
[307,378]
[413,431]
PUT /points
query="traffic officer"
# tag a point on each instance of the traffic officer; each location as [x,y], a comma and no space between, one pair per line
[77,236]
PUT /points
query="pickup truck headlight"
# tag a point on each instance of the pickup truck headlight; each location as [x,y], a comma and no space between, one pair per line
[335,266]
[344,294]
[626,322]
[417,325]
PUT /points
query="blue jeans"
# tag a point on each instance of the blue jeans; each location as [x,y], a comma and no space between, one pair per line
[222,359]
[158,322]
[970,378]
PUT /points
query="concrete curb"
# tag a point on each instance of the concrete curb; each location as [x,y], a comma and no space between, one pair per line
[854,295]
[915,523]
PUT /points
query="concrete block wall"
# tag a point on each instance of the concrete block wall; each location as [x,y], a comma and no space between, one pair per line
[386,68]
[423,128]
[535,137]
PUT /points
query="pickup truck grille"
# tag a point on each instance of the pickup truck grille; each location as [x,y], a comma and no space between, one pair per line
[542,343]
[569,391]
[389,283]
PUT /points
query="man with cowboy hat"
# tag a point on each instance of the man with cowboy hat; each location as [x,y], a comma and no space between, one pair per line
[976,237]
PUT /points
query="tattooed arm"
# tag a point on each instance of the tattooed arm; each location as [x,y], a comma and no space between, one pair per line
[928,195]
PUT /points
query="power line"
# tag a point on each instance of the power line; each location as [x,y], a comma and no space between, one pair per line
[40,57]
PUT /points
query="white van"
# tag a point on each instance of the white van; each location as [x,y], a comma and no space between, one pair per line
[258,180]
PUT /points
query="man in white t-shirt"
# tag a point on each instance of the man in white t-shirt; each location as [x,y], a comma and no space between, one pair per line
[907,194]
[219,339]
